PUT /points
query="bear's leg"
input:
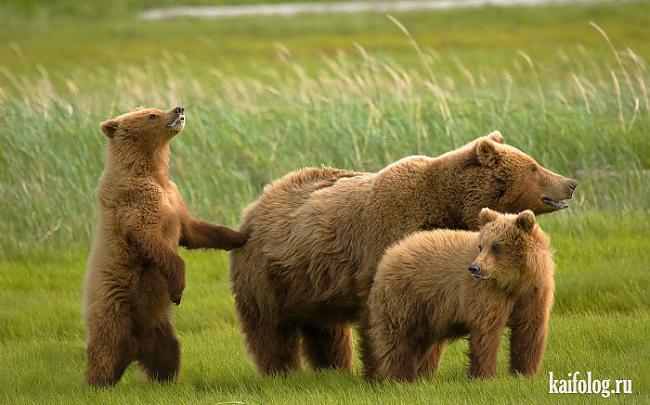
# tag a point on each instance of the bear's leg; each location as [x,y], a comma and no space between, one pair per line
[376,343]
[159,354]
[274,345]
[432,358]
[111,348]
[483,350]
[328,346]
[392,351]
[400,360]
[199,234]
[528,329]
[366,348]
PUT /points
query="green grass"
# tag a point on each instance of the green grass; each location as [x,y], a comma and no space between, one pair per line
[267,96]
[600,323]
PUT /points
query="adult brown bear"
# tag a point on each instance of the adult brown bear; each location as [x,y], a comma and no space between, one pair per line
[317,234]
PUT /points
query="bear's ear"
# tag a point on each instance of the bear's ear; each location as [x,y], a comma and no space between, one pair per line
[526,221]
[486,152]
[487,215]
[109,127]
[496,136]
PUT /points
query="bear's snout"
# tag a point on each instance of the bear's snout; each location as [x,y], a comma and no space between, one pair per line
[572,186]
[176,120]
[475,270]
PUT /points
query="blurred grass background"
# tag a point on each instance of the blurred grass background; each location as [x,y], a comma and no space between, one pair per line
[567,84]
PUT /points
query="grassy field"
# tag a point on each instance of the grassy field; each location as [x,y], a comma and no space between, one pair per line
[600,324]
[266,96]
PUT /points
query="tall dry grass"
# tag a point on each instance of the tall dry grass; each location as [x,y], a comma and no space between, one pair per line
[585,118]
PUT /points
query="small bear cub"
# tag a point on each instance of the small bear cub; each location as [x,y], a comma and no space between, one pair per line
[135,271]
[436,286]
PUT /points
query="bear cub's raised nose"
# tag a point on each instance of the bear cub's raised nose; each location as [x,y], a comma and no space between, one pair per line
[474,268]
[573,184]
[179,110]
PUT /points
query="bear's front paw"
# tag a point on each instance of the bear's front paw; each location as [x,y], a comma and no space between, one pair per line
[238,239]
[176,282]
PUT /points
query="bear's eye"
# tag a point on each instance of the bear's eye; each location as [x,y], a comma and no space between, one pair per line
[480,248]
[533,168]
[153,116]
[496,249]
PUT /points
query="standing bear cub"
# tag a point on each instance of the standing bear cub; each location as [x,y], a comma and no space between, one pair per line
[134,271]
[317,235]
[437,286]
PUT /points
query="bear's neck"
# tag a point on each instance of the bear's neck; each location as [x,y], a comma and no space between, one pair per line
[540,258]
[128,162]
[459,185]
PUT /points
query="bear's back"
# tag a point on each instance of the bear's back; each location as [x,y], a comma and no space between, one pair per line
[430,258]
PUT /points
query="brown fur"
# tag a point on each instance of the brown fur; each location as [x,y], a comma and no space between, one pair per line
[316,236]
[424,296]
[134,271]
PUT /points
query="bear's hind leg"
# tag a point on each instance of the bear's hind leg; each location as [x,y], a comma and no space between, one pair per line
[111,348]
[275,346]
[400,361]
[396,351]
[432,358]
[328,346]
[159,355]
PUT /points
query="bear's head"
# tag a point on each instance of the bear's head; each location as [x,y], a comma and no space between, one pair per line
[516,181]
[149,127]
[513,250]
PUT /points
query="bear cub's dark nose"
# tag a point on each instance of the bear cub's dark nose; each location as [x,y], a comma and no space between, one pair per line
[475,269]
[572,185]
[179,110]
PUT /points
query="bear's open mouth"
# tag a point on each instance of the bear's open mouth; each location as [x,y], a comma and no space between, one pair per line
[479,276]
[558,205]
[178,123]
